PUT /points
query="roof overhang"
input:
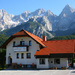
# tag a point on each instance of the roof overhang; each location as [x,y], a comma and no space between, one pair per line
[25,34]
[59,55]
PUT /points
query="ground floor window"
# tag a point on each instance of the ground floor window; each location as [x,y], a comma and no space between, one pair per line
[28,55]
[22,55]
[17,55]
[42,61]
[56,61]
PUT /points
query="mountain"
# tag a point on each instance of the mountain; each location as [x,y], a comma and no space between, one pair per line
[6,20]
[64,24]
[9,21]
[66,20]
[33,27]
[38,12]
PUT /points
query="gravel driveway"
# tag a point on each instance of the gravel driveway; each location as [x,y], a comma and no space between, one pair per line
[37,72]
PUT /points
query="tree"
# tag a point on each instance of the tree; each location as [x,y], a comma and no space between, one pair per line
[2,58]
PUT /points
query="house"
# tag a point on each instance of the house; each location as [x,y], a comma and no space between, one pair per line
[26,48]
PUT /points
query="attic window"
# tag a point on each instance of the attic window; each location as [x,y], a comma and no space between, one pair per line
[22,43]
[14,43]
[30,43]
[37,50]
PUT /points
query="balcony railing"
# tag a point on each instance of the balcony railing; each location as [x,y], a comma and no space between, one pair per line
[20,48]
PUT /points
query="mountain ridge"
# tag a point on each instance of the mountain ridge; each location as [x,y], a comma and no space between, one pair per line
[49,21]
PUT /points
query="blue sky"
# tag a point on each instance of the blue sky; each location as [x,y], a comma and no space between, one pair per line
[16,7]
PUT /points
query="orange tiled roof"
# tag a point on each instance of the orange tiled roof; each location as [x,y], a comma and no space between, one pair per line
[57,46]
[24,33]
[36,38]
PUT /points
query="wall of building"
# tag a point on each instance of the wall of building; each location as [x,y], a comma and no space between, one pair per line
[63,63]
[32,49]
[12,53]
[46,65]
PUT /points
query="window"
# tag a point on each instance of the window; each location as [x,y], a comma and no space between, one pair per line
[22,55]
[42,61]
[17,55]
[14,43]
[30,43]
[9,53]
[51,61]
[69,60]
[28,55]
[56,61]
[22,43]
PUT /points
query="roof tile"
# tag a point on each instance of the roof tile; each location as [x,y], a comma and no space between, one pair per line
[57,46]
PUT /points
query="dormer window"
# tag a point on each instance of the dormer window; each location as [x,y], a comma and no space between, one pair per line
[14,43]
[30,43]
[22,43]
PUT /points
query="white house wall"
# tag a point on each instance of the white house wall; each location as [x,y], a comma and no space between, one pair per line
[32,49]
[46,65]
[63,63]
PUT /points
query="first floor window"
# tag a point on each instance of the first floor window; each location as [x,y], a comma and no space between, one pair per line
[22,55]
[56,61]
[17,55]
[42,61]
[22,43]
[28,55]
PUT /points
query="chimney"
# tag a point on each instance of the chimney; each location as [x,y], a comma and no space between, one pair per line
[44,38]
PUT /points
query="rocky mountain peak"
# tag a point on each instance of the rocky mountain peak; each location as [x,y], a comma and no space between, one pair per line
[67,11]
[47,19]
[26,12]
[69,8]
[49,12]
[38,12]
[2,12]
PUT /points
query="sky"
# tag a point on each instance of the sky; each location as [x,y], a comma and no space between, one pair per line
[17,7]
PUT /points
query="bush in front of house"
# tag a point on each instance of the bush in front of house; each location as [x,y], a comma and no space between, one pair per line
[64,68]
[2,58]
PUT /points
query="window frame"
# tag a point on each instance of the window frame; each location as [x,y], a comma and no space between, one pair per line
[14,43]
[28,57]
[42,61]
[30,43]
[57,61]
[22,55]
[17,55]
[22,43]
